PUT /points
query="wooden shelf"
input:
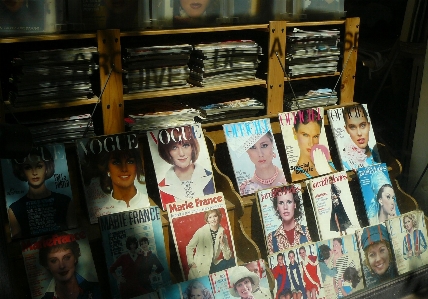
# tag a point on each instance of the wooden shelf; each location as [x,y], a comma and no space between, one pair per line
[192,90]
[314,77]
[9,107]
[68,36]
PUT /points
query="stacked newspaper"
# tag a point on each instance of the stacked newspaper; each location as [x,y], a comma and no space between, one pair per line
[49,76]
[312,52]
[215,63]
[156,67]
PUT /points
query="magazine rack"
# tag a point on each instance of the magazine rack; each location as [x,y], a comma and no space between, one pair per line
[245,220]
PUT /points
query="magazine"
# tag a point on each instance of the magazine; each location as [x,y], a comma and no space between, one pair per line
[53,262]
[377,255]
[113,176]
[333,205]
[340,266]
[224,284]
[195,288]
[135,252]
[378,193]
[408,234]
[354,137]
[195,223]
[281,210]
[38,192]
[254,155]
[182,163]
[306,143]
[297,270]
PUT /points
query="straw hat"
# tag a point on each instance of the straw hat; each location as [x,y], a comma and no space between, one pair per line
[238,273]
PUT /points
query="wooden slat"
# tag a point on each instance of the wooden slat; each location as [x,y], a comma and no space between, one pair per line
[352,26]
[110,71]
[10,109]
[275,77]
[192,90]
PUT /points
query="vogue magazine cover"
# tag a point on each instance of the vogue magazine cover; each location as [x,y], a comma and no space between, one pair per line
[306,143]
[113,176]
[182,164]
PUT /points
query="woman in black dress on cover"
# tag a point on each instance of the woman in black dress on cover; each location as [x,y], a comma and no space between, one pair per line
[339,220]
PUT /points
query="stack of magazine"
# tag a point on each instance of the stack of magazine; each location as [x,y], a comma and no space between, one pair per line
[43,77]
[156,67]
[64,130]
[312,52]
[311,98]
[237,106]
[156,120]
[216,63]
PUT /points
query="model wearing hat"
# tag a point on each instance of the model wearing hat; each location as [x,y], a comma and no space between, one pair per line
[378,264]
[383,206]
[245,283]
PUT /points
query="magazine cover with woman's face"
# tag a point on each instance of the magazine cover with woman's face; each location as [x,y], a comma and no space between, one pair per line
[409,240]
[202,235]
[354,137]
[60,264]
[254,155]
[112,171]
[340,266]
[38,192]
[306,143]
[196,288]
[241,281]
[377,254]
[182,163]
[281,210]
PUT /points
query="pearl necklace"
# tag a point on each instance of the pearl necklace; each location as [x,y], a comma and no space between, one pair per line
[267,181]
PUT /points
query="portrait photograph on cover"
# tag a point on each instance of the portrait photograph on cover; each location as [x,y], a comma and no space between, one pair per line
[182,163]
[38,192]
[202,235]
[113,176]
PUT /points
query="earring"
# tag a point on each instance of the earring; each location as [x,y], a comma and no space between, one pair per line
[274,154]
[295,137]
[108,174]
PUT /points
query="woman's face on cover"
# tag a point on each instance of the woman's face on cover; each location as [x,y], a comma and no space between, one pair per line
[387,201]
[123,171]
[307,136]
[378,257]
[280,260]
[286,206]
[181,154]
[62,265]
[291,257]
[194,8]
[13,5]
[261,153]
[244,288]
[212,219]
[35,170]
[358,129]
[337,247]
[196,293]
[408,224]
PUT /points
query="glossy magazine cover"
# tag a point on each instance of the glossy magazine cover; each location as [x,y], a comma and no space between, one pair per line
[38,192]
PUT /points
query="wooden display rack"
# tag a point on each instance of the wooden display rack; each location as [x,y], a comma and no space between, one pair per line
[241,209]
